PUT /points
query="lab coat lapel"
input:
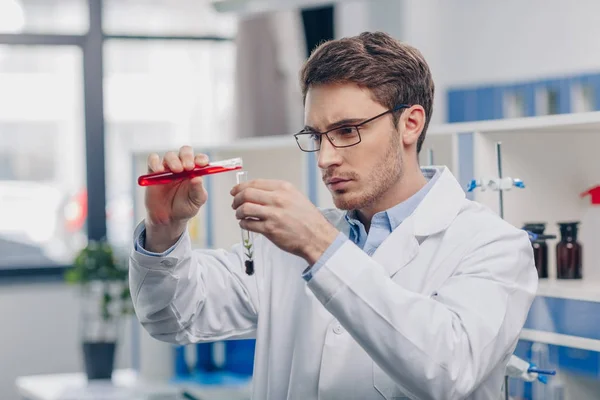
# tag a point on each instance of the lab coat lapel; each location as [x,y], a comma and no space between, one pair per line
[434,214]
[399,248]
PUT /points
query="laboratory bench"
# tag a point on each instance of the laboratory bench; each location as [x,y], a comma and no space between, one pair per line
[125,385]
[574,289]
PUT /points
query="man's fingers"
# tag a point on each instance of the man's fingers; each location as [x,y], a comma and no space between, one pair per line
[251,211]
[197,193]
[172,162]
[201,160]
[186,155]
[263,184]
[253,225]
[154,164]
[269,184]
[177,162]
[252,195]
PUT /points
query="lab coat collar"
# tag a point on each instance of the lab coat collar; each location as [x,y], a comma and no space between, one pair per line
[394,216]
[434,214]
[440,206]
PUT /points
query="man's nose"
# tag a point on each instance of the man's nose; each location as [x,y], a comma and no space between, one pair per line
[328,154]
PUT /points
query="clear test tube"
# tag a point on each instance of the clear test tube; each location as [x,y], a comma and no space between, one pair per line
[247,236]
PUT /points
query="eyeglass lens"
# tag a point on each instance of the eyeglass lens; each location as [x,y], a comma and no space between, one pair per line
[341,137]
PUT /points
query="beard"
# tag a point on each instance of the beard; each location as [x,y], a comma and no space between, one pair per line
[387,171]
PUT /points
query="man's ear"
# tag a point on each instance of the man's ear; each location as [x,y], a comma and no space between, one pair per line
[412,121]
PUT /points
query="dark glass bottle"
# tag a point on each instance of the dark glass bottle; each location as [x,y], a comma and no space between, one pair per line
[568,252]
[540,247]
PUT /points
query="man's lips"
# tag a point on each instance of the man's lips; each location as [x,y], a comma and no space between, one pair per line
[337,183]
[332,181]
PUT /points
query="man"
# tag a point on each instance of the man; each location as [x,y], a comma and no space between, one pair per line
[406,290]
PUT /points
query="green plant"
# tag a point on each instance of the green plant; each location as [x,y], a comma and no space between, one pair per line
[247,242]
[97,264]
[248,247]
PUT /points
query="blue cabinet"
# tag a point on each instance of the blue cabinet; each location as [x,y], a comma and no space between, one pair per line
[540,97]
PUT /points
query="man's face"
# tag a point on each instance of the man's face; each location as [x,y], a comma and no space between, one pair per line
[356,176]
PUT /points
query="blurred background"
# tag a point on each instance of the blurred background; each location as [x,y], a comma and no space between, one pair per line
[89,87]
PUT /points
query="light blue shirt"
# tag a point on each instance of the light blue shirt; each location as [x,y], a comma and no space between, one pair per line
[382,224]
[140,242]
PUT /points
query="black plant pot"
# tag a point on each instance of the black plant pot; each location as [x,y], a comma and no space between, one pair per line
[99,359]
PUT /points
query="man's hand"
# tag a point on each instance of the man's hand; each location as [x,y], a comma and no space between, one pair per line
[277,210]
[170,207]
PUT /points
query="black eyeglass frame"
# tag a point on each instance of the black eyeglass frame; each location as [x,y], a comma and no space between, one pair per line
[392,110]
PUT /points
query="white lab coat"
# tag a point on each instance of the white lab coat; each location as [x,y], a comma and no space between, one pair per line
[435,313]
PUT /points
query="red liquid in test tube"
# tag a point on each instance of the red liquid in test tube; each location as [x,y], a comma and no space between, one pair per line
[161,178]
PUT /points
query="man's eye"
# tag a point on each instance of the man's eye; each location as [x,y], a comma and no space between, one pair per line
[346,130]
[315,137]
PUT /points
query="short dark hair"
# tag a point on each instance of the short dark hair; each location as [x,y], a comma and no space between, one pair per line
[395,72]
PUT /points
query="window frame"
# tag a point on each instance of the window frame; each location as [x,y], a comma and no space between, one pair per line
[92,45]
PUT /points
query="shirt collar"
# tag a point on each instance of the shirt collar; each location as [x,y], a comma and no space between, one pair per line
[394,216]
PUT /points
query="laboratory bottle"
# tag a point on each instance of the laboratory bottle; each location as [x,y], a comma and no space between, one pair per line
[568,252]
[540,247]
[589,235]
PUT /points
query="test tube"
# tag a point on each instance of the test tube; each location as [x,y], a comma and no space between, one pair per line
[247,236]
[161,178]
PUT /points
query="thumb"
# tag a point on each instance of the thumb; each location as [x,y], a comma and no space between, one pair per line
[197,193]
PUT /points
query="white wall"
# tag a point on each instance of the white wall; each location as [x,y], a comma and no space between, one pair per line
[39,333]
[477,42]
[415,22]
[499,41]
[470,42]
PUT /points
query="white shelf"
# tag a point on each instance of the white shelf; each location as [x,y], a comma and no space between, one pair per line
[558,339]
[74,385]
[570,289]
[576,122]
[125,385]
[580,122]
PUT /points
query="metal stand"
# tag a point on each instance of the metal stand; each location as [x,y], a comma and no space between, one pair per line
[500,183]
[499,160]
[517,368]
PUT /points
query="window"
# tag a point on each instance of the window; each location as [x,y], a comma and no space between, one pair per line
[160,95]
[44,16]
[24,148]
[42,162]
[168,81]
[166,17]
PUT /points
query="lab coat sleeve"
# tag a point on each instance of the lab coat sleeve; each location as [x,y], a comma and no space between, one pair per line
[441,345]
[191,296]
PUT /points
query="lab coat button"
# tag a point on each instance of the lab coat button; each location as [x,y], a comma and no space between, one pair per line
[338,330]
[167,263]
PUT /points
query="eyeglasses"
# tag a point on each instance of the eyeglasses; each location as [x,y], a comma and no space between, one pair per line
[344,136]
